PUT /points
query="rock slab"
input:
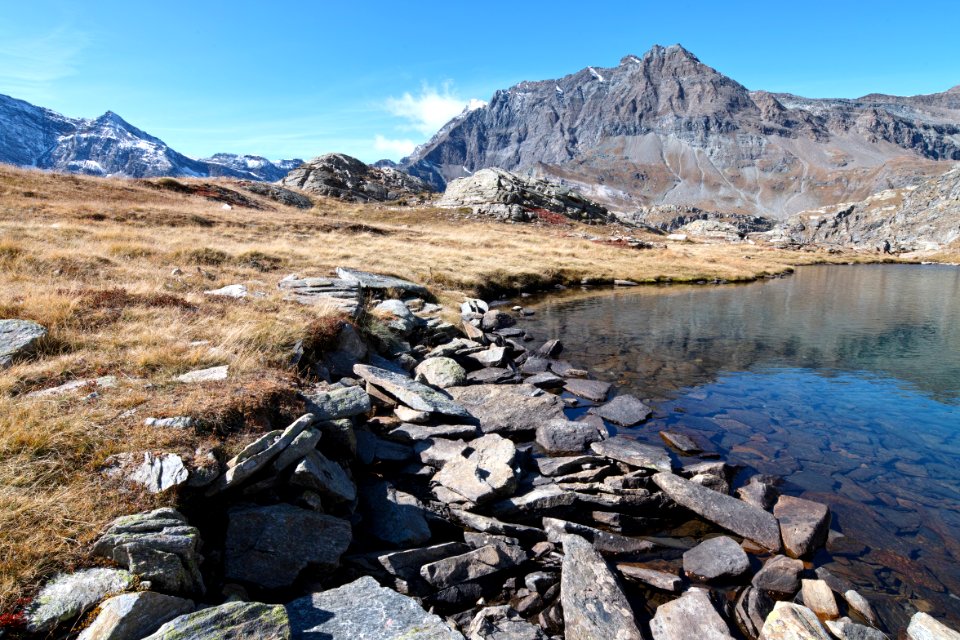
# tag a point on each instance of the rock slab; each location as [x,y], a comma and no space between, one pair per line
[18,338]
[233,620]
[690,616]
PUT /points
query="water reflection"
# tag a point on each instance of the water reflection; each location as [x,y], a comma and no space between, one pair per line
[845,380]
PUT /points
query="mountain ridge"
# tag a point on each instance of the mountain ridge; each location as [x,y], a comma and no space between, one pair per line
[666,128]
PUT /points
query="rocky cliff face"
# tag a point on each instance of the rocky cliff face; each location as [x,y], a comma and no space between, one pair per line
[668,129]
[340,176]
[924,217]
[109,145]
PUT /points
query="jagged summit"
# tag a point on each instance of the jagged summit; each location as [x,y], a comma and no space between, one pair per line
[665,128]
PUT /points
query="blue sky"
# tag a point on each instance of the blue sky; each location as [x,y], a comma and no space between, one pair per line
[285,79]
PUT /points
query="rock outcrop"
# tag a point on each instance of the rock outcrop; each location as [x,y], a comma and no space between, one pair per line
[510,196]
[337,175]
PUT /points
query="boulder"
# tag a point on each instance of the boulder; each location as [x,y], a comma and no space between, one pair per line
[509,409]
[495,319]
[491,357]
[337,403]
[690,616]
[269,546]
[472,565]
[752,608]
[789,621]
[337,175]
[155,473]
[298,448]
[132,616]
[780,575]
[318,473]
[233,620]
[818,597]
[378,282]
[545,380]
[441,372]
[594,390]
[719,558]
[734,515]
[633,453]
[363,609]
[68,595]
[398,315]
[924,627]
[393,517]
[563,436]
[159,546]
[594,605]
[804,525]
[18,339]
[624,410]
[502,623]
[260,453]
[847,629]
[485,470]
[411,393]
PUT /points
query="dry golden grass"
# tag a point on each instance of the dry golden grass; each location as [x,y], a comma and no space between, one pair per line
[94,260]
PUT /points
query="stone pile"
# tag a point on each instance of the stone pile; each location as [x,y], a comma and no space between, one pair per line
[451,484]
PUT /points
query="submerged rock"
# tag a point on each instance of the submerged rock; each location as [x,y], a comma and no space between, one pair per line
[624,410]
[364,609]
[804,525]
[734,515]
[594,605]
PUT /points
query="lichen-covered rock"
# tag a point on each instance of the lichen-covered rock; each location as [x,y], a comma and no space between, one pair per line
[132,616]
[69,595]
[18,338]
[334,404]
[232,620]
[362,610]
[337,175]
[441,372]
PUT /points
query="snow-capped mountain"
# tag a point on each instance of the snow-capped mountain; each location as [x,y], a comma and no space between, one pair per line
[110,146]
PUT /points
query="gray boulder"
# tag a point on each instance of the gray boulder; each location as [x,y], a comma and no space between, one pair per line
[398,316]
[440,372]
[595,390]
[734,515]
[563,436]
[132,616]
[269,546]
[633,453]
[335,404]
[318,473]
[594,605]
[472,565]
[392,516]
[780,575]
[363,610]
[804,525]
[159,546]
[486,470]
[232,620]
[847,629]
[690,616]
[260,453]
[69,595]
[18,339]
[624,410]
[509,409]
[719,558]
[154,473]
[502,623]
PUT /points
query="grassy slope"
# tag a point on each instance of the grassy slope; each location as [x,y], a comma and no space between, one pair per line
[94,261]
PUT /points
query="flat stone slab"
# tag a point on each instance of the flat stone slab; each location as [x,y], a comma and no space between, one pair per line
[18,339]
[418,432]
[334,404]
[789,621]
[413,394]
[269,546]
[234,620]
[652,577]
[719,558]
[925,627]
[407,562]
[516,408]
[680,442]
[342,295]
[486,524]
[602,541]
[364,610]
[487,471]
[155,473]
[367,280]
[565,436]
[594,605]
[229,291]
[89,384]
[804,525]
[624,410]
[593,390]
[213,374]
[502,623]
[847,629]
[690,616]
[633,453]
[733,515]
[472,565]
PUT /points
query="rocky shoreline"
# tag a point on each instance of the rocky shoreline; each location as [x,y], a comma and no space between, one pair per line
[435,487]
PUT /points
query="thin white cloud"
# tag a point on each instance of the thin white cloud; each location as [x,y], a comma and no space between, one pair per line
[431,109]
[30,66]
[394,149]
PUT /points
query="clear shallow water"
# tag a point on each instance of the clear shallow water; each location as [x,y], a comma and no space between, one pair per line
[844,380]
